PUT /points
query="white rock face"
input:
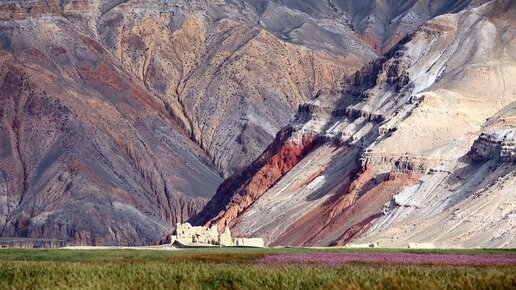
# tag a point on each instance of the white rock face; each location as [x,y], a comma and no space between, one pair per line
[475,209]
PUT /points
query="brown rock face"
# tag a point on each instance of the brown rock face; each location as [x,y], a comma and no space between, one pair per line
[348,211]
[231,85]
[246,187]
[89,155]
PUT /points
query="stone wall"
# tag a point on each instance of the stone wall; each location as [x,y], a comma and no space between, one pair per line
[254,242]
[188,234]
[28,243]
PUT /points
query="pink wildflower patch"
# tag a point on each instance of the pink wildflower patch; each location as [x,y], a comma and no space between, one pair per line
[408,258]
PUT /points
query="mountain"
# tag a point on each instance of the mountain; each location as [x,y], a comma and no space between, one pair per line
[88,153]
[120,118]
[416,146]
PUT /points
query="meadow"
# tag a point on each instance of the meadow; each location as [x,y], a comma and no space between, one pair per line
[232,268]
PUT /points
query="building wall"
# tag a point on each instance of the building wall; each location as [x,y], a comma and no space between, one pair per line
[188,234]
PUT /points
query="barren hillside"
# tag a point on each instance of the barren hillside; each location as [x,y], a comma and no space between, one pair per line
[418,146]
[120,118]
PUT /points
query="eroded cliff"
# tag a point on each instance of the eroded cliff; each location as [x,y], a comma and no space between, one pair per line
[409,155]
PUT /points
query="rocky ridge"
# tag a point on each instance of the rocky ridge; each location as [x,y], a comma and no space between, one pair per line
[88,155]
[101,102]
[495,144]
[387,164]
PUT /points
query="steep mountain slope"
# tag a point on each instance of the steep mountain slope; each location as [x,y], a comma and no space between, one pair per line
[228,81]
[87,153]
[381,24]
[115,113]
[418,146]
[118,118]
[99,101]
[234,72]
[100,98]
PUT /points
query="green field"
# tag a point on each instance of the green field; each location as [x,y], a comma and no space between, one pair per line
[236,269]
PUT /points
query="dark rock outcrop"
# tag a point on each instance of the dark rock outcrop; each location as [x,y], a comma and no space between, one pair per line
[495,144]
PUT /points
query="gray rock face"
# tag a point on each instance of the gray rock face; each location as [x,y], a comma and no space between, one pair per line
[382,24]
[88,154]
[394,167]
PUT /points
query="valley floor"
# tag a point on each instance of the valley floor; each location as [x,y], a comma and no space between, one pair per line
[281,268]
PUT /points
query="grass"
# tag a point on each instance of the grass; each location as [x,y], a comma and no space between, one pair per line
[235,269]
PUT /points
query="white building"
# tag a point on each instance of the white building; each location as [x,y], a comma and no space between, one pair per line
[187,234]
